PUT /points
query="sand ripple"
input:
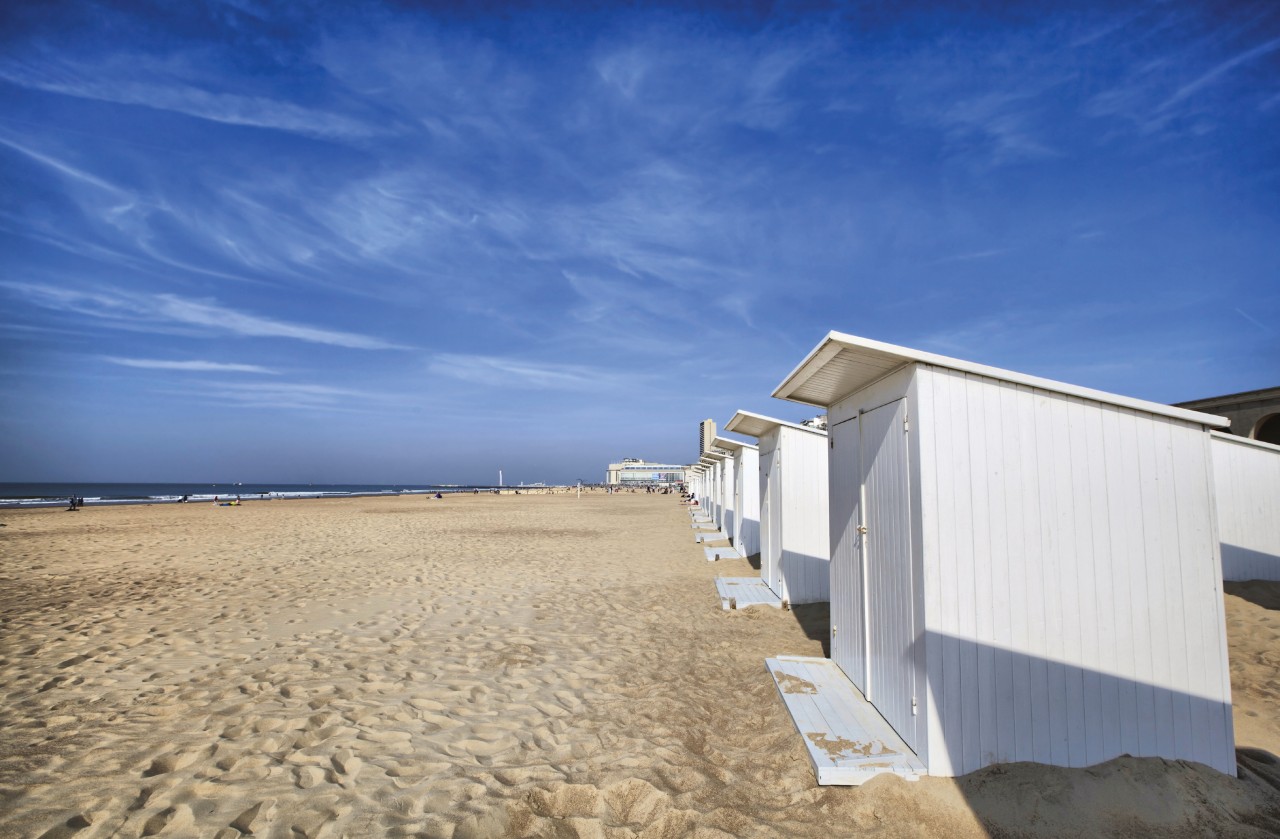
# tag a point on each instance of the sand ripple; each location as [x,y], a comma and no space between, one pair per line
[532,666]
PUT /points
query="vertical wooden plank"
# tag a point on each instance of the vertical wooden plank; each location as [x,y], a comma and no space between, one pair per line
[1087,715]
[966,629]
[1146,622]
[1009,574]
[1155,532]
[1169,561]
[925,419]
[1121,481]
[1197,548]
[1226,756]
[1063,603]
[1035,592]
[980,520]
[947,691]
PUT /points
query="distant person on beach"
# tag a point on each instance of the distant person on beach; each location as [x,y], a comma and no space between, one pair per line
[438,495]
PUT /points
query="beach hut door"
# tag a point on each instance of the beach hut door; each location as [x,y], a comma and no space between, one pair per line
[886,557]
[771,522]
[848,620]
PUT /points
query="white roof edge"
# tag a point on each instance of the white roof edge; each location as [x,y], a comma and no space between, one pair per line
[834,342]
[726,443]
[771,422]
[1246,441]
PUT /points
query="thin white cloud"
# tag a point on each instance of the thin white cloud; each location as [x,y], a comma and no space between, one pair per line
[111,84]
[1225,67]
[63,168]
[193,366]
[288,396]
[496,371]
[143,311]
[969,257]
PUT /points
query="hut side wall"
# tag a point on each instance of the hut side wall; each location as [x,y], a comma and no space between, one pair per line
[1247,484]
[806,540]
[1072,580]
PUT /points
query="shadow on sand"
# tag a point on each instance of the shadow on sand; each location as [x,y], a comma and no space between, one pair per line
[1264,593]
[815,620]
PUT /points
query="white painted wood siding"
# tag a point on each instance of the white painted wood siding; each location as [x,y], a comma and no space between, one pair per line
[804,521]
[1072,580]
[1247,484]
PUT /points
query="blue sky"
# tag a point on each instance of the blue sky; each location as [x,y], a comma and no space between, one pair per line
[391,243]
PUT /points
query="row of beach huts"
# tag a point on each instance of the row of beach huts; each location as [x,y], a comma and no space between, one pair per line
[1017,569]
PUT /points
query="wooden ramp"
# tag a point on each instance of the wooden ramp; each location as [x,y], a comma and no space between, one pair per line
[726,552]
[711,536]
[741,592]
[848,741]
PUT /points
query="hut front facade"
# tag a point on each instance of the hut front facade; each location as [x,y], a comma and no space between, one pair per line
[744,530]
[722,489]
[1022,570]
[1247,481]
[794,540]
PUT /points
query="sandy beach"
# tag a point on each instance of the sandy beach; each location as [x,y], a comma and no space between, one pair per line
[533,665]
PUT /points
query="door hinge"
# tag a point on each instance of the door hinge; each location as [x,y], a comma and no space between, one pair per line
[906,424]
[915,709]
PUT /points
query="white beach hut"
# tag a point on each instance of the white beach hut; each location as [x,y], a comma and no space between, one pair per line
[712,486]
[722,488]
[794,540]
[744,530]
[1247,482]
[1022,570]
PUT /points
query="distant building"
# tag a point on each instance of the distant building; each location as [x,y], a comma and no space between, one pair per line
[633,471]
[706,433]
[1254,414]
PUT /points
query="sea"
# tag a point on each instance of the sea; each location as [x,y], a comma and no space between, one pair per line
[53,495]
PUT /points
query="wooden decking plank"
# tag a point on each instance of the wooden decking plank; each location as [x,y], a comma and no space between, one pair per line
[726,552]
[824,703]
[745,591]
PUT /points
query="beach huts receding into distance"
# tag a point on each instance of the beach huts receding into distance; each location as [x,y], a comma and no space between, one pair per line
[793,541]
[1018,569]
[742,487]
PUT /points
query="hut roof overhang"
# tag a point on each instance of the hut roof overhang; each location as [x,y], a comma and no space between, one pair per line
[842,364]
[755,425]
[732,445]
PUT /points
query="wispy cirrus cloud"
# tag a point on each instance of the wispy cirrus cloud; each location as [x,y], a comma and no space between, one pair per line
[131,80]
[497,371]
[290,396]
[145,312]
[189,366]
